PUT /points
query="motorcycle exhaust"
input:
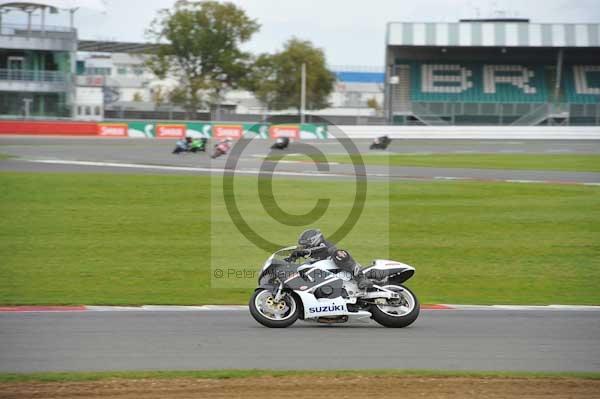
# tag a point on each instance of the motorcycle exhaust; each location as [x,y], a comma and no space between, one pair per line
[332,320]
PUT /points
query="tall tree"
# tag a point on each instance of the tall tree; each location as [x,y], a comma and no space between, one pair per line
[200,46]
[276,78]
[263,81]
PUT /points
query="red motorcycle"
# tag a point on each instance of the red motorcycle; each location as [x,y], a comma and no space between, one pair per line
[222,148]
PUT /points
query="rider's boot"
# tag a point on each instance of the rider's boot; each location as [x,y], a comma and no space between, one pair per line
[362,280]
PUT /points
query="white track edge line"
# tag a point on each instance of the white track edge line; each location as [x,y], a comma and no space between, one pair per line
[179,168]
[221,308]
[284,173]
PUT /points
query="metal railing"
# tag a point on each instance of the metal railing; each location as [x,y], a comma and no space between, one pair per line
[457,113]
[425,115]
[543,112]
[534,117]
[55,32]
[516,114]
[23,75]
[448,109]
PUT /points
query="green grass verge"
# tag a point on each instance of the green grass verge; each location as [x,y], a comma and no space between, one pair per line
[132,240]
[5,156]
[231,374]
[554,162]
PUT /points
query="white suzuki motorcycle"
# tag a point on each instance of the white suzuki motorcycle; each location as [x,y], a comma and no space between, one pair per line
[317,290]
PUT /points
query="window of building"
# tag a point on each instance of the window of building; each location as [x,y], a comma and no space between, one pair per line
[88,111]
[98,71]
[97,110]
[122,70]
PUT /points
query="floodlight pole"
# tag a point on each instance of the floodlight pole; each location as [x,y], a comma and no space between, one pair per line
[303,94]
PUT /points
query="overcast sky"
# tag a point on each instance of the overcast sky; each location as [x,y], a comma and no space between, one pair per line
[352,32]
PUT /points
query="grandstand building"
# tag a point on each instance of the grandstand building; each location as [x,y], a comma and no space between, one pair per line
[36,64]
[494,71]
[47,72]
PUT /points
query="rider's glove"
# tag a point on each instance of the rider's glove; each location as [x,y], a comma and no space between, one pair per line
[297,254]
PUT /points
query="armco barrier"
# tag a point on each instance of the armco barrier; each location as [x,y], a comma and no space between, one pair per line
[150,129]
[172,130]
[219,130]
[49,128]
[474,132]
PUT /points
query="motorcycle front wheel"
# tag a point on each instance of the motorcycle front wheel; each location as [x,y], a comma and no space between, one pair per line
[273,314]
[400,313]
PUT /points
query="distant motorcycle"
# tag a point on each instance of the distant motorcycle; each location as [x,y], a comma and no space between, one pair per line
[180,146]
[198,145]
[190,145]
[222,148]
[281,143]
[380,143]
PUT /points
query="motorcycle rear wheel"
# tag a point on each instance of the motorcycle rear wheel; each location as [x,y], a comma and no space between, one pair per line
[267,316]
[400,316]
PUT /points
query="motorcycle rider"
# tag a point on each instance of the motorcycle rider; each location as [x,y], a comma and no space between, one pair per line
[222,148]
[198,145]
[226,143]
[181,146]
[312,243]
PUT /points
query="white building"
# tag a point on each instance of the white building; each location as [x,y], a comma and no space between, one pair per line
[123,81]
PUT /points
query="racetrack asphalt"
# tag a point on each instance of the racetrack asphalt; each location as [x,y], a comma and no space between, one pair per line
[532,340]
[526,340]
[157,154]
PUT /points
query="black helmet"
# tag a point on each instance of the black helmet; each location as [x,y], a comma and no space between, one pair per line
[311,238]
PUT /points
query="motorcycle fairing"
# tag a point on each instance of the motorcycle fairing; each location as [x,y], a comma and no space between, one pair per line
[389,271]
[314,307]
[314,277]
[311,278]
[274,271]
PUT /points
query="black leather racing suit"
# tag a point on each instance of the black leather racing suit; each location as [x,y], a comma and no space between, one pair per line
[340,257]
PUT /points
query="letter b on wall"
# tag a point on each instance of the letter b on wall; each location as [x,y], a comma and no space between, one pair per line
[449,78]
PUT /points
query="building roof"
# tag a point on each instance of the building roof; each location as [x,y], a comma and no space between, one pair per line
[359,77]
[60,4]
[115,47]
[488,33]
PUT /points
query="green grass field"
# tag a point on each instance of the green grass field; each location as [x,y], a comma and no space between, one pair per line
[556,162]
[126,239]
[232,374]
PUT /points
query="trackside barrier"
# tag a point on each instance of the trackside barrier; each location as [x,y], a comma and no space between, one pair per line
[48,128]
[150,129]
[172,130]
[475,132]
